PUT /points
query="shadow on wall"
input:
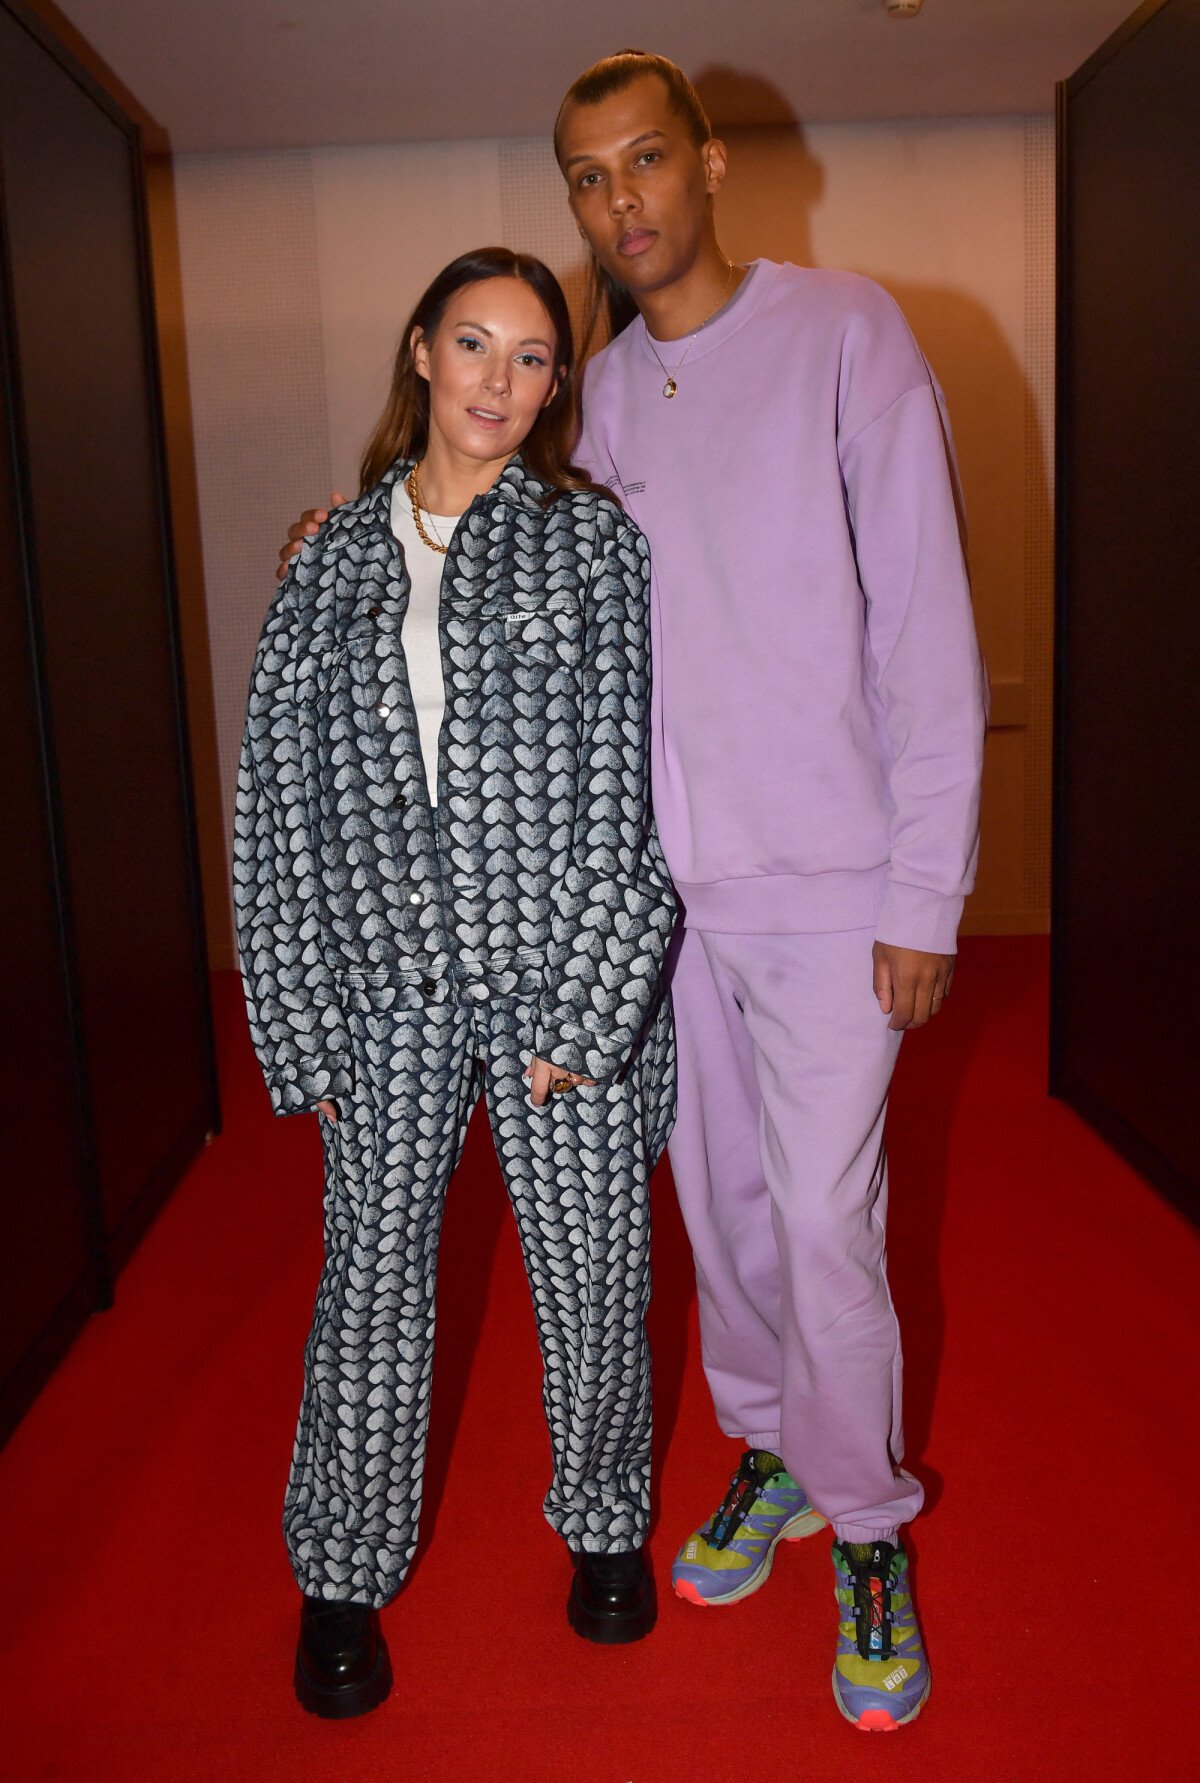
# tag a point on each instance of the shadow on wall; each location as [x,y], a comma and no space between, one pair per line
[775,186]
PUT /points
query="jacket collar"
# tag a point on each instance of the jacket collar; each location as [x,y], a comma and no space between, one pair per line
[516,485]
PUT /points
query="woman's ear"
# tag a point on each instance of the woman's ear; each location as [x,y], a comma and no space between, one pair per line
[556,386]
[418,346]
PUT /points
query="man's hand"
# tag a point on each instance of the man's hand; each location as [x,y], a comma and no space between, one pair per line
[541,1074]
[308,523]
[910,986]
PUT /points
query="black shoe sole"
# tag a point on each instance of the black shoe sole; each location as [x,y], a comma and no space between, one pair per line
[353,1699]
[611,1631]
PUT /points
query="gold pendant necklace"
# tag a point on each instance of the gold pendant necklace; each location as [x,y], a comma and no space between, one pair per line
[671,385]
[413,490]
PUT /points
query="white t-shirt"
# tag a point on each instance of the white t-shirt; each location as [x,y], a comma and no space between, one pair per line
[422,647]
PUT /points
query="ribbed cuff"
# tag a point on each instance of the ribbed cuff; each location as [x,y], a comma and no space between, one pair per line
[915,917]
[866,1532]
[295,1089]
[784,903]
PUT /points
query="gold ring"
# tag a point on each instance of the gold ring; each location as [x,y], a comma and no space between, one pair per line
[560,1085]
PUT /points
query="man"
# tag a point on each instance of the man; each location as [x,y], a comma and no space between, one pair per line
[818,729]
[818,720]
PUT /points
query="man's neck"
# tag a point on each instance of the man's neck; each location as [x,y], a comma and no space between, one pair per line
[692,299]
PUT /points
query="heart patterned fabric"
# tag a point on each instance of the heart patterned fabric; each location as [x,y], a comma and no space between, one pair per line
[396,954]
[541,856]
[577,1172]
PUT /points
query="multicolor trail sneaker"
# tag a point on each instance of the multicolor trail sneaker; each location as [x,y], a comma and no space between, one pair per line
[731,1556]
[880,1675]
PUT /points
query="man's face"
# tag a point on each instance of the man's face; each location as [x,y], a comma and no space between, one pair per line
[639,186]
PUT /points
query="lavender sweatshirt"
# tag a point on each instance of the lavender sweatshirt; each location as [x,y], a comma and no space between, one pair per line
[819,705]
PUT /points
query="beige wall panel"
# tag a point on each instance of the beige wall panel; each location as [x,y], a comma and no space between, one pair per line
[387,220]
[1040,219]
[1001,874]
[252,314]
[537,218]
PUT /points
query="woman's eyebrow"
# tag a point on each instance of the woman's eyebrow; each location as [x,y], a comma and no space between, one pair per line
[534,340]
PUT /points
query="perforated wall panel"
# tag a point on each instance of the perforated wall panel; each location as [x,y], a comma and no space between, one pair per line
[257,377]
[535,217]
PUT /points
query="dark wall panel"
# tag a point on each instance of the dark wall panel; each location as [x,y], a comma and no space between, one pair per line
[48,1254]
[71,195]
[108,1068]
[1127,849]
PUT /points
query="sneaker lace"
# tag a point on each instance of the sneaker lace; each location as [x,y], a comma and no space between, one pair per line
[744,1488]
[873,1614]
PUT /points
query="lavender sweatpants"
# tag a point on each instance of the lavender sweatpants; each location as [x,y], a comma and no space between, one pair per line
[784,1064]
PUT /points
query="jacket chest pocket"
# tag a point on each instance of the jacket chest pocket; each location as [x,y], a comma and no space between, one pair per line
[317,673]
[351,703]
[353,670]
[550,636]
[357,762]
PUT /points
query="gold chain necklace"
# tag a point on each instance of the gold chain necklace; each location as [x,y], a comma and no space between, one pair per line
[413,490]
[671,386]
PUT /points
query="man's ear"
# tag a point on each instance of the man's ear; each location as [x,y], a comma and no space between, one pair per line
[418,346]
[716,165]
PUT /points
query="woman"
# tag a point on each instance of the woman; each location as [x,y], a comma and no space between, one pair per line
[446,872]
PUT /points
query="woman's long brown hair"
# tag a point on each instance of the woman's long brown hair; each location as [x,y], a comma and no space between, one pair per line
[604,298]
[403,429]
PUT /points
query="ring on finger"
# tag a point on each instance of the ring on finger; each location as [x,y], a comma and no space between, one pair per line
[560,1085]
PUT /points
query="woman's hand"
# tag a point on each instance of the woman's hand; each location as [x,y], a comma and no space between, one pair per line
[308,524]
[328,1109]
[542,1075]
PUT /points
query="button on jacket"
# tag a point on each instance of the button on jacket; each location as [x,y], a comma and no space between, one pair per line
[538,876]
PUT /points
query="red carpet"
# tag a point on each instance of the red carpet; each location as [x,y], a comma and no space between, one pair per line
[1049,1302]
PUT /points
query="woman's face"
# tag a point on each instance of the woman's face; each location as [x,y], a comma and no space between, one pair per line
[490,366]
